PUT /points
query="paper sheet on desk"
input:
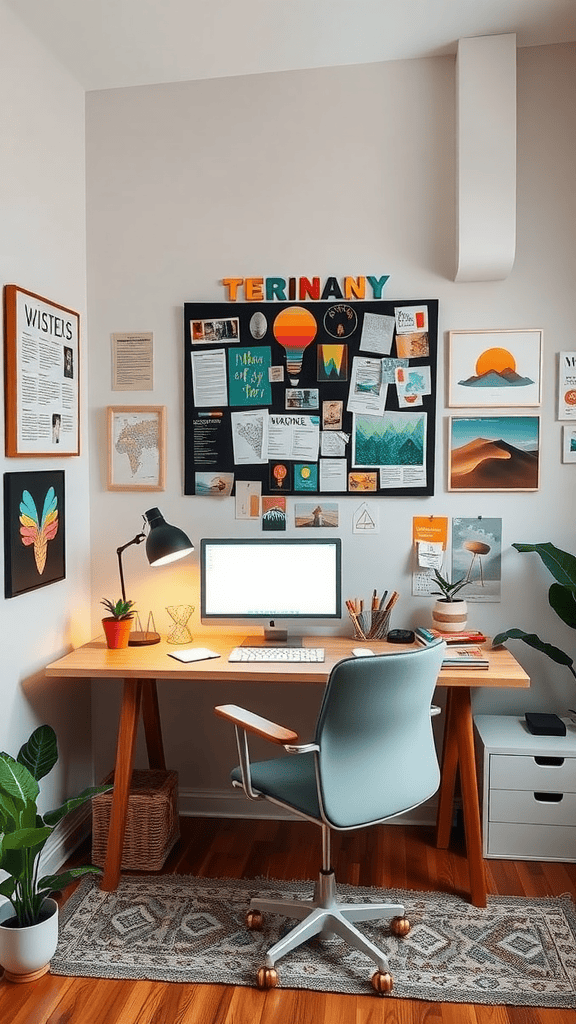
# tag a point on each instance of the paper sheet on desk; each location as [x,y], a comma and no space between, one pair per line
[194,654]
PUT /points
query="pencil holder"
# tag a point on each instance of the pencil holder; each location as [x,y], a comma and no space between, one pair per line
[371,626]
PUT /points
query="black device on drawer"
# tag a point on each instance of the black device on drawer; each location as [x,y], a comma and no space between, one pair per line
[544,725]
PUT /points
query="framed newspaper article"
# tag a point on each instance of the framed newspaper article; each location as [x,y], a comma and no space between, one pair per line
[42,341]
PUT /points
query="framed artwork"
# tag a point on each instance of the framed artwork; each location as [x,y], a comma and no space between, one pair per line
[569,443]
[494,369]
[136,447]
[34,530]
[494,453]
[567,385]
[42,362]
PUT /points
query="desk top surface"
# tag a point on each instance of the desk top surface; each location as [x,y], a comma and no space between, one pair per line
[94,660]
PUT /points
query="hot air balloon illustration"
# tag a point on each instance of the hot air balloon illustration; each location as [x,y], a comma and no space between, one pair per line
[294,328]
[38,531]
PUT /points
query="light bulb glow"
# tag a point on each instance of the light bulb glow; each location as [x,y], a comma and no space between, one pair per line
[294,328]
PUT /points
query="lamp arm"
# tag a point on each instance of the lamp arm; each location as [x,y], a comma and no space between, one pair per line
[135,540]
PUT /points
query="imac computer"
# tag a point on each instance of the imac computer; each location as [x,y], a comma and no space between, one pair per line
[267,580]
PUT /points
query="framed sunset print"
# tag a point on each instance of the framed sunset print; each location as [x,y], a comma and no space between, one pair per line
[494,369]
[494,453]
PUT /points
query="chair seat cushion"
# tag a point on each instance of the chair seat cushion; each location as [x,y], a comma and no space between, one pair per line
[291,780]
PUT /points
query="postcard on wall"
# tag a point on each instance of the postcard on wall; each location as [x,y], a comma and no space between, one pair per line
[411,319]
[41,384]
[367,387]
[494,368]
[133,361]
[494,453]
[332,363]
[214,485]
[477,557]
[273,512]
[248,494]
[568,443]
[305,476]
[315,514]
[567,386]
[214,331]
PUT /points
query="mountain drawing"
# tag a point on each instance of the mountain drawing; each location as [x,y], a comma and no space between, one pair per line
[493,464]
[506,378]
[398,444]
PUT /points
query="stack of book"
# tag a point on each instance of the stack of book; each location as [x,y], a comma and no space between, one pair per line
[466,636]
[462,651]
[465,657]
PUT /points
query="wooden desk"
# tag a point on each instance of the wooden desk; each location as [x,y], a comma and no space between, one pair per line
[140,667]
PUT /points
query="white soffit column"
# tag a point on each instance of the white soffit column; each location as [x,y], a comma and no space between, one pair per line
[486,157]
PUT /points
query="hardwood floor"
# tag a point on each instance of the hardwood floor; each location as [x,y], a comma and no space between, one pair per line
[394,855]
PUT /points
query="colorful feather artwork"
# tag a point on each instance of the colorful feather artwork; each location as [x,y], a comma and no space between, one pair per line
[38,531]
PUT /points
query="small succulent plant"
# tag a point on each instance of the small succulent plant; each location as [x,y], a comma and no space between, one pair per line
[119,609]
[447,591]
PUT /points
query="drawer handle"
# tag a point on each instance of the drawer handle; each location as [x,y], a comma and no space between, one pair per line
[554,761]
[549,798]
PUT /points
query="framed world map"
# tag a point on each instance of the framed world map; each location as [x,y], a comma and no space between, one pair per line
[136,447]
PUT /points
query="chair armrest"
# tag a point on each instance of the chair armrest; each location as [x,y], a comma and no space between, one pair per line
[254,723]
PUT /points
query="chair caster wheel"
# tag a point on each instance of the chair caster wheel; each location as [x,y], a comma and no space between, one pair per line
[382,983]
[400,926]
[267,977]
[254,920]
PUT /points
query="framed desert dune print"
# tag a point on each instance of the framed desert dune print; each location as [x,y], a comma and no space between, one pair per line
[494,453]
[494,369]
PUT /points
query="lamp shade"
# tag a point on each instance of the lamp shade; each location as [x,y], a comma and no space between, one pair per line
[164,543]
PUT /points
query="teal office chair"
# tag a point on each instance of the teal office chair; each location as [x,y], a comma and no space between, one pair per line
[373,757]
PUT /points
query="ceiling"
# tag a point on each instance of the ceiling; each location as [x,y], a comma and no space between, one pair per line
[108,44]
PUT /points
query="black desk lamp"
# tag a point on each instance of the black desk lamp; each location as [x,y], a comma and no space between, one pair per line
[164,543]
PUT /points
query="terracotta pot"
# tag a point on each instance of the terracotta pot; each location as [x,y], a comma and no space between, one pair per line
[117,632]
[25,953]
[450,616]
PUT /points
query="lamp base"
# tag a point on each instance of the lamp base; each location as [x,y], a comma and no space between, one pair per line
[141,639]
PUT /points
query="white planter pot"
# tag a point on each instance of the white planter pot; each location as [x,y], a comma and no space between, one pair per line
[25,953]
[450,616]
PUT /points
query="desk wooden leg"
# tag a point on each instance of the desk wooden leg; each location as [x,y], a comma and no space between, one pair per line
[447,777]
[470,804]
[152,727]
[128,726]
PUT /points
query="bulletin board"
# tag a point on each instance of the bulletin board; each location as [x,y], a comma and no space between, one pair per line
[318,397]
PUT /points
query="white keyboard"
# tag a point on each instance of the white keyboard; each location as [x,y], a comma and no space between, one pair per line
[288,654]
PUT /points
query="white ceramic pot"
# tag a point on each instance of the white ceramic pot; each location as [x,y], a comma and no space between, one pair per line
[25,953]
[450,616]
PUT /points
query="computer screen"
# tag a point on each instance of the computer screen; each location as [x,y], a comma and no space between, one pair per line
[270,579]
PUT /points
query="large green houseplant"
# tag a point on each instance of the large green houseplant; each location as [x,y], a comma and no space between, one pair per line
[561,598]
[24,832]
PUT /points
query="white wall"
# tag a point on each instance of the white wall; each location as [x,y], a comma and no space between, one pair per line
[42,249]
[330,172]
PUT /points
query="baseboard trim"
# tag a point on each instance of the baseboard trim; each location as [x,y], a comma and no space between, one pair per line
[65,839]
[197,803]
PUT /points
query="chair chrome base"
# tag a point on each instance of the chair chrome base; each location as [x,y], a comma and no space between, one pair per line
[324,916]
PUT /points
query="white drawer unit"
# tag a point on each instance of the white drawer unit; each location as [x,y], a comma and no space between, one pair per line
[528,790]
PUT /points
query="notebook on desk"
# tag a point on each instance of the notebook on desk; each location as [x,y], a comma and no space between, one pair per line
[194,654]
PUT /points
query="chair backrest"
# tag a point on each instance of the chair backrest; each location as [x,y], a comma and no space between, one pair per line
[377,753]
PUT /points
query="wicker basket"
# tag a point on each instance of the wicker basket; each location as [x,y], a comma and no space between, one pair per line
[152,826]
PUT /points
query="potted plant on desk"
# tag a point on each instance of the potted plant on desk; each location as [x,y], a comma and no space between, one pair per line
[29,917]
[118,623]
[450,613]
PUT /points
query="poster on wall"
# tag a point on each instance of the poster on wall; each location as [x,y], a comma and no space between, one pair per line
[42,364]
[312,397]
[34,537]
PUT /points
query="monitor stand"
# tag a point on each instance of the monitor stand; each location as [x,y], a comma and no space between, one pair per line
[272,637]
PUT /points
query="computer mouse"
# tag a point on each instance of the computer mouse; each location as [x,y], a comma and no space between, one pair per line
[362,652]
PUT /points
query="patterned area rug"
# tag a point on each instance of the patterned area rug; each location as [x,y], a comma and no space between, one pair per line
[518,951]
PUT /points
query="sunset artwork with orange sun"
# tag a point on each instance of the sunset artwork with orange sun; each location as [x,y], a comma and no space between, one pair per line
[499,375]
